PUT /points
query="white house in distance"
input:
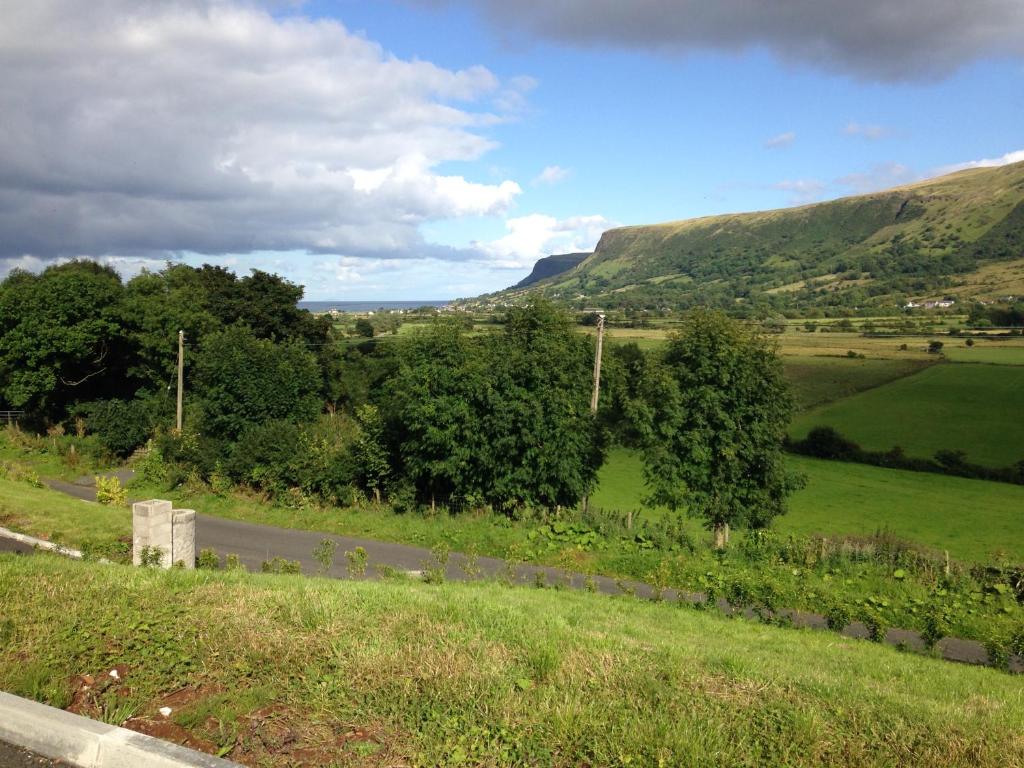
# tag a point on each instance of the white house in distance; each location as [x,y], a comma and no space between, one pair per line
[942,304]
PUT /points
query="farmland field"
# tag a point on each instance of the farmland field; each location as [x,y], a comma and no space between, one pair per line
[973,408]
[971,518]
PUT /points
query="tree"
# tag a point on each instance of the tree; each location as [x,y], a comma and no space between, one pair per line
[718,412]
[60,338]
[433,411]
[370,451]
[241,380]
[364,328]
[541,444]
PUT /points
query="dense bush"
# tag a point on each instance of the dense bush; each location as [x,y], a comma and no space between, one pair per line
[121,425]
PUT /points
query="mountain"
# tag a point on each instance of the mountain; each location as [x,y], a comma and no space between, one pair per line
[961,234]
[550,266]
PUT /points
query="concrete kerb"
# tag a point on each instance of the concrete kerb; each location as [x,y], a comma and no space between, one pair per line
[32,541]
[86,743]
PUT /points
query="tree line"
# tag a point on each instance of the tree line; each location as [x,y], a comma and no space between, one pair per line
[278,400]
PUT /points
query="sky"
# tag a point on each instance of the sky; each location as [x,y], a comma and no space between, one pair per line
[433,149]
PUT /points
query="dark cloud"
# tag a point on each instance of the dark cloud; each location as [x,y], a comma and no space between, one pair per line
[214,127]
[871,39]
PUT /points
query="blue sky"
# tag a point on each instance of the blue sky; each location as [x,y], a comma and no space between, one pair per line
[428,150]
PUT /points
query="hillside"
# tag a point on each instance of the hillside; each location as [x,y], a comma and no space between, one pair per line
[551,266]
[961,234]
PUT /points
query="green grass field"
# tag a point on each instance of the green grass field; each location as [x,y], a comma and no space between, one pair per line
[818,380]
[279,671]
[974,408]
[971,518]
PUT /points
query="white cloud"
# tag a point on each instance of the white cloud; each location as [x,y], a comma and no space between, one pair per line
[802,190]
[881,176]
[211,126]
[866,131]
[782,140]
[537,235]
[552,174]
[992,162]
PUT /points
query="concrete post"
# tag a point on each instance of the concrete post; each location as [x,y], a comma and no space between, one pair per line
[172,531]
[183,542]
[151,527]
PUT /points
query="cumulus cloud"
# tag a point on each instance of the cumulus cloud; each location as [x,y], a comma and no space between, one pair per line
[870,39]
[865,131]
[211,126]
[782,140]
[551,174]
[536,235]
[991,162]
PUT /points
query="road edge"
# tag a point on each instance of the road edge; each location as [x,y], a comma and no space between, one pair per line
[86,743]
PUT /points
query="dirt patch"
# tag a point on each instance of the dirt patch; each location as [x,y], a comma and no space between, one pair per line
[278,734]
[91,695]
[166,729]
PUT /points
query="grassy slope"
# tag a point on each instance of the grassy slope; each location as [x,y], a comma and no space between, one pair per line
[976,408]
[970,518]
[51,515]
[936,218]
[486,675]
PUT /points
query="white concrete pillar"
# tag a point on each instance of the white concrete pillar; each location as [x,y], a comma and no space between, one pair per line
[183,542]
[151,527]
[172,531]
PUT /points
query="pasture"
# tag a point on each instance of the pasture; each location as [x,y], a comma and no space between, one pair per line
[969,407]
[971,518]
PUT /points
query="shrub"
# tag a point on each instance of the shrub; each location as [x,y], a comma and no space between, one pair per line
[278,565]
[874,623]
[357,560]
[233,563]
[109,492]
[208,558]
[323,553]
[436,569]
[837,617]
[121,425]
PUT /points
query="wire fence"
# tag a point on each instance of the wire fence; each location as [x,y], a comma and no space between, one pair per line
[10,417]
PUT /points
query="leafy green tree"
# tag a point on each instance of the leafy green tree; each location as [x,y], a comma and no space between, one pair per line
[60,338]
[370,451]
[364,328]
[241,380]
[541,444]
[719,408]
[433,410]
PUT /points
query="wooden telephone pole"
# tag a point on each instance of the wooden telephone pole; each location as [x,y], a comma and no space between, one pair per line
[597,380]
[597,362]
[181,374]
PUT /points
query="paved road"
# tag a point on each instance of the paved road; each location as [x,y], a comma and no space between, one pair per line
[15,757]
[255,544]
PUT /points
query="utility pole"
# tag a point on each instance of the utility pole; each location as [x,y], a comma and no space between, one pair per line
[597,381]
[597,362]
[181,373]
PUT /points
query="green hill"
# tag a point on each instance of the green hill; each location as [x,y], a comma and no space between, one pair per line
[962,234]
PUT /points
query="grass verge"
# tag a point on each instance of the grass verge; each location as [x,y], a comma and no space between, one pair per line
[275,670]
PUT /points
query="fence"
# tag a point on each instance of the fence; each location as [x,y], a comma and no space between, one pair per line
[10,417]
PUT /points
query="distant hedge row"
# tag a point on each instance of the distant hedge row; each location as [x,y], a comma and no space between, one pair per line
[828,443]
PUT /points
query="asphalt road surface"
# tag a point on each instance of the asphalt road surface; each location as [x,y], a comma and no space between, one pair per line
[15,757]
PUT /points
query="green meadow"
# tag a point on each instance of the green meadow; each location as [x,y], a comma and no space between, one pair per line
[972,408]
[973,519]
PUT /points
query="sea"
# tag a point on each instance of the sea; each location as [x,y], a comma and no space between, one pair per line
[369,306]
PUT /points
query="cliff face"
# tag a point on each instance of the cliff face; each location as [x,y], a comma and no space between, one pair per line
[551,266]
